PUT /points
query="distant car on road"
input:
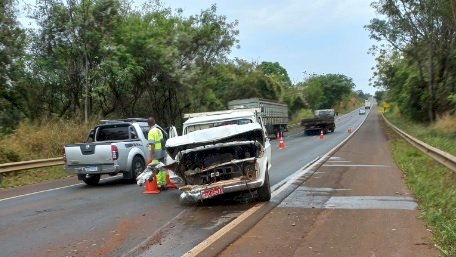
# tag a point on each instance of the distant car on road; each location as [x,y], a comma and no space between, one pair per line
[362,111]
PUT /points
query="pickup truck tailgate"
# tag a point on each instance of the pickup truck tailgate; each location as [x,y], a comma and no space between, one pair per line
[90,153]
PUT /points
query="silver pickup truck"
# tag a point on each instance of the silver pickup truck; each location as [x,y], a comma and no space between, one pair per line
[112,147]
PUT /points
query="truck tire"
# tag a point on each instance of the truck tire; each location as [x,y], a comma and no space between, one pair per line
[92,180]
[264,192]
[137,166]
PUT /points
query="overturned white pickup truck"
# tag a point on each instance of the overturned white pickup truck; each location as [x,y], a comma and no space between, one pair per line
[222,152]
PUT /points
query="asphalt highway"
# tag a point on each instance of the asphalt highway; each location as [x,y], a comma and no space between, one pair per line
[354,203]
[67,218]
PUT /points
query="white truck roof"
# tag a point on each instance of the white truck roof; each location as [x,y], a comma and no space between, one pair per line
[214,134]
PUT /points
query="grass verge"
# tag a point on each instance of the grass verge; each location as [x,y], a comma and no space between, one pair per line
[440,134]
[434,187]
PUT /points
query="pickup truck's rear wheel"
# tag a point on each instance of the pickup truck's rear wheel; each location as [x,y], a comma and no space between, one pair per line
[264,192]
[92,180]
[137,166]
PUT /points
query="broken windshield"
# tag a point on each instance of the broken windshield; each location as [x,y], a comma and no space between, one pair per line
[214,124]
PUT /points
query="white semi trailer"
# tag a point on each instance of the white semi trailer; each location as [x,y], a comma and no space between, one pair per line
[274,114]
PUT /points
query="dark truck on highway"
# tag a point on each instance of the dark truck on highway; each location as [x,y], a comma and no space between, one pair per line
[323,121]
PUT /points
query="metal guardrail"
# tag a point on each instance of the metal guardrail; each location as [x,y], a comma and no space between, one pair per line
[33,164]
[443,157]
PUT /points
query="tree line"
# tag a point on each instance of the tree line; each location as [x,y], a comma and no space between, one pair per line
[89,59]
[416,56]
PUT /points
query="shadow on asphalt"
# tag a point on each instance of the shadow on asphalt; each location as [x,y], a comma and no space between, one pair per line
[109,182]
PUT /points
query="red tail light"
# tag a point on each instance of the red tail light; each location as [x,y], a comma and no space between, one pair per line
[115,152]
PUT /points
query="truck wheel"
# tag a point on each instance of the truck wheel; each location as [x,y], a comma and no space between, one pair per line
[264,192]
[137,166]
[92,180]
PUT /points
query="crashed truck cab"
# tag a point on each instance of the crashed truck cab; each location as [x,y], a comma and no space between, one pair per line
[221,152]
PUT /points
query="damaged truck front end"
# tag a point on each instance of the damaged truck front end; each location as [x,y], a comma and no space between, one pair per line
[221,160]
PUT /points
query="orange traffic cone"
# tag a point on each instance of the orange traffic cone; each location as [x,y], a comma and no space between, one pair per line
[277,136]
[151,187]
[169,184]
[322,136]
[349,130]
[281,144]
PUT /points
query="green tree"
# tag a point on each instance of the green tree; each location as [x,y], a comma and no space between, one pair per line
[313,92]
[379,95]
[326,91]
[421,33]
[13,42]
[179,55]
[277,71]
[241,79]
[105,58]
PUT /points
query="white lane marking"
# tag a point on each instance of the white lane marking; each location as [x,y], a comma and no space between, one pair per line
[280,186]
[49,190]
[371,202]
[34,193]
[214,237]
[338,161]
[320,198]
[355,165]
[349,202]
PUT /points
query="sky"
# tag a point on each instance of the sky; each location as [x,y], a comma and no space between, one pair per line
[303,36]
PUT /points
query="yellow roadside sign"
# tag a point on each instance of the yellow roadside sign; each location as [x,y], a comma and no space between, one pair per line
[386,105]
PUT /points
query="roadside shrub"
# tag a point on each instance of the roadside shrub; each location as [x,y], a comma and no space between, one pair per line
[302,114]
[445,123]
[8,155]
[44,140]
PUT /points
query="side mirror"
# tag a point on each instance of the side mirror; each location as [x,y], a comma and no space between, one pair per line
[90,136]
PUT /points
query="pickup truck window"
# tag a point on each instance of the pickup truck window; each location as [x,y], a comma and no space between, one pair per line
[321,113]
[133,134]
[145,130]
[113,132]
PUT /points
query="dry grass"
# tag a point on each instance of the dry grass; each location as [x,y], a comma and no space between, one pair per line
[445,123]
[45,140]
[441,134]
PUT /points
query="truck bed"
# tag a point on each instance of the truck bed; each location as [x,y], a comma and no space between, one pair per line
[325,124]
